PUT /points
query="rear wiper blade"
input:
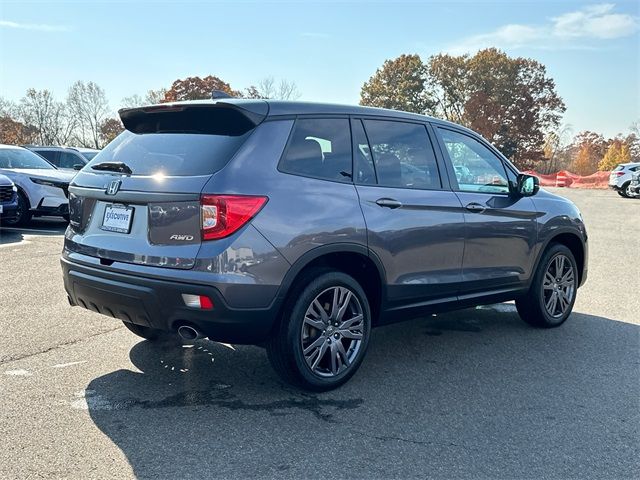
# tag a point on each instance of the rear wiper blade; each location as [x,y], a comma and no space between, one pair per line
[119,167]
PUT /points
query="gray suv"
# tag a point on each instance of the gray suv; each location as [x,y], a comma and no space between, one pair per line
[300,226]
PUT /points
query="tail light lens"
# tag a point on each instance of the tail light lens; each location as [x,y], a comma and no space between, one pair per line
[224,214]
[620,174]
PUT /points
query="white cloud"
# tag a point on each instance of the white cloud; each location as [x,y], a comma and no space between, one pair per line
[595,22]
[33,26]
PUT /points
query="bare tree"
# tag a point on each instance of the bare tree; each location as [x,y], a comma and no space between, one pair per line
[88,105]
[151,98]
[269,88]
[8,108]
[51,118]
[155,96]
[133,101]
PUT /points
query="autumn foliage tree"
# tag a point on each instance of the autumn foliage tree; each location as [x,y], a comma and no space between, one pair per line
[110,129]
[510,101]
[617,153]
[196,88]
[13,132]
[588,149]
[400,84]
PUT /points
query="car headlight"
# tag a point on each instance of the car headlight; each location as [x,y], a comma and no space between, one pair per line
[49,183]
[41,181]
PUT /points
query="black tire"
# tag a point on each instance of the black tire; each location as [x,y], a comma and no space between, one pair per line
[531,307]
[148,333]
[622,191]
[285,346]
[23,215]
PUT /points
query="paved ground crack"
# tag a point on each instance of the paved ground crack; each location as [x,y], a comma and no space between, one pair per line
[16,358]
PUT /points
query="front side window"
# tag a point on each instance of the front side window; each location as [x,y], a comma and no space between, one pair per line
[319,148]
[68,160]
[402,154]
[476,167]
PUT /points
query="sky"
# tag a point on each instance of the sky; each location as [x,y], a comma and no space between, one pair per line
[329,49]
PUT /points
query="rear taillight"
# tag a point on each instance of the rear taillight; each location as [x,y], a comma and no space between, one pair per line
[224,214]
[620,174]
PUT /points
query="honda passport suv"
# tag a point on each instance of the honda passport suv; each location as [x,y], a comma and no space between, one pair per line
[300,226]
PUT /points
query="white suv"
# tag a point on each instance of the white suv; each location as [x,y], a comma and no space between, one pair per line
[42,188]
[620,178]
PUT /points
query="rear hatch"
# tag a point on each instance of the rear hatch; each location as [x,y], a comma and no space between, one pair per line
[139,199]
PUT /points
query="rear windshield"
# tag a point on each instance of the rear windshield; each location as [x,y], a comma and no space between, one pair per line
[22,158]
[171,154]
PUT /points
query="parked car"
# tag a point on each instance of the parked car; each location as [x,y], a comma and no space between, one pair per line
[87,153]
[8,199]
[66,158]
[620,177]
[42,188]
[295,226]
[633,190]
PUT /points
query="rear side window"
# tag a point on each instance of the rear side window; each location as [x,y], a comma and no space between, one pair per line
[402,154]
[319,148]
[52,155]
[171,154]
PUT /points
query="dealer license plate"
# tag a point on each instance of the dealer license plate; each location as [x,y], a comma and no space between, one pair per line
[117,218]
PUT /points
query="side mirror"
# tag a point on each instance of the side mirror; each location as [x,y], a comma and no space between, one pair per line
[78,166]
[527,185]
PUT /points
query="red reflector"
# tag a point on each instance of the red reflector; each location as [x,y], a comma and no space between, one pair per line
[222,215]
[205,303]
[620,174]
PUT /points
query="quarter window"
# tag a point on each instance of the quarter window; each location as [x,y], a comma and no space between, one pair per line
[320,148]
[476,167]
[402,154]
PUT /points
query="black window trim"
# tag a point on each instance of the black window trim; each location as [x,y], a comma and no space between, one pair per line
[348,180]
[353,153]
[444,184]
[449,163]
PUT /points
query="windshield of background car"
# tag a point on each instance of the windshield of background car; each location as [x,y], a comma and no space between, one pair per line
[171,154]
[22,158]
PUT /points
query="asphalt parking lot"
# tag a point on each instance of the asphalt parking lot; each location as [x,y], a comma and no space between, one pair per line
[470,394]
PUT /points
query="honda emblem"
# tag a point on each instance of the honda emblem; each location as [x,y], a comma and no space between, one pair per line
[113,187]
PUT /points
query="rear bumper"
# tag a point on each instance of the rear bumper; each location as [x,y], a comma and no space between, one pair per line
[158,304]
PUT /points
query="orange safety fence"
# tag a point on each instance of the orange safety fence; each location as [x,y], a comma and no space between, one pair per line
[571,180]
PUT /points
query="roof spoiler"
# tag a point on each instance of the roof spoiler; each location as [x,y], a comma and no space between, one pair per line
[233,117]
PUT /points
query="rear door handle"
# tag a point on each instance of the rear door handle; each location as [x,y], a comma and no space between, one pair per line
[388,202]
[475,207]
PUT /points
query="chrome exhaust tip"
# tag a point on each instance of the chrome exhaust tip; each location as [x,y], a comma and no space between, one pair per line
[189,333]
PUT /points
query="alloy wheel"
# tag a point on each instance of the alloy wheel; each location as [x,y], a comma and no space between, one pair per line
[558,286]
[332,331]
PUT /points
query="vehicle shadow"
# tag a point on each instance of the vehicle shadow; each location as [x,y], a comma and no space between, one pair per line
[9,237]
[49,226]
[473,394]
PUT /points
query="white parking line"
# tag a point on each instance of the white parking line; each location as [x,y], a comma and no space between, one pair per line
[14,244]
[28,231]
